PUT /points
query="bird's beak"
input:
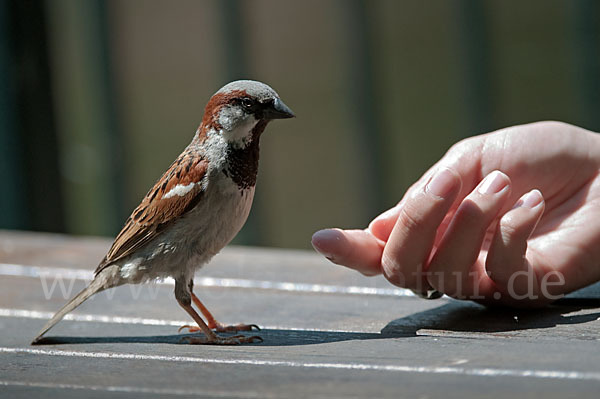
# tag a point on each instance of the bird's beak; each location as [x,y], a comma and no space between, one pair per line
[277,110]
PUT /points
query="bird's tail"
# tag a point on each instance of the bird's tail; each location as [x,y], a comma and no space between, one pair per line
[99,283]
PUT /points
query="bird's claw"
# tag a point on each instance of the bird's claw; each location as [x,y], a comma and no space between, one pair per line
[221,328]
[218,340]
[237,327]
[190,328]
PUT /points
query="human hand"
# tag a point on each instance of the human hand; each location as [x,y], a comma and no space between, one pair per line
[509,217]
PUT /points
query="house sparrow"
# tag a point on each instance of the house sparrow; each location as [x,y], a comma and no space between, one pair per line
[195,209]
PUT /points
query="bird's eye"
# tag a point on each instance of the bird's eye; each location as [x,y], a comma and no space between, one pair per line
[247,103]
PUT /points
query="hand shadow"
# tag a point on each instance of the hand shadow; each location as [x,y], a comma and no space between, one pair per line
[460,317]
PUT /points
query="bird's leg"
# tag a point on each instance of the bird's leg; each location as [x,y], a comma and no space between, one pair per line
[184,299]
[214,324]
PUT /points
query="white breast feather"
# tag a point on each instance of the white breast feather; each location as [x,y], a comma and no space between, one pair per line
[194,239]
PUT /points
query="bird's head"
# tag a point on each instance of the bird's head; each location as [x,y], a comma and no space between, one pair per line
[241,109]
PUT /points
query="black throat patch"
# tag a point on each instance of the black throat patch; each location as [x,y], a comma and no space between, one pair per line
[242,163]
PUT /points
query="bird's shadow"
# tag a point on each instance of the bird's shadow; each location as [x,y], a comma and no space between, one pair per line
[271,337]
[450,317]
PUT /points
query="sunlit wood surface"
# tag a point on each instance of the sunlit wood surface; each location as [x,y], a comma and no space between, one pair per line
[328,332]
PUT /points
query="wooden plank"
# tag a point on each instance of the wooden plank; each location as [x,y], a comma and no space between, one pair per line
[323,344]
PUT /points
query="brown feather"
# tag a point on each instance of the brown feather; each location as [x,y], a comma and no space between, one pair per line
[155,213]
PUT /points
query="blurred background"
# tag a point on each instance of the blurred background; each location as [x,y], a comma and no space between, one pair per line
[98,97]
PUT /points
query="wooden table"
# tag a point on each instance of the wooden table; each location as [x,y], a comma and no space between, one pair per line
[328,332]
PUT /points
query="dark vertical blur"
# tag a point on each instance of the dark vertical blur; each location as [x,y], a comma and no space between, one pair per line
[231,26]
[586,43]
[12,206]
[100,43]
[31,195]
[361,98]
[86,103]
[475,57]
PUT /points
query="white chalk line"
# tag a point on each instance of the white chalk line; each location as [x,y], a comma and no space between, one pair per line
[477,372]
[35,314]
[98,318]
[131,389]
[7,269]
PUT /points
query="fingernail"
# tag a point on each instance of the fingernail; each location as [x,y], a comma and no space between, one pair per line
[442,183]
[321,237]
[530,200]
[493,183]
[324,253]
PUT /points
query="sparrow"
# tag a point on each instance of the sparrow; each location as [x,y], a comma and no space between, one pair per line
[195,209]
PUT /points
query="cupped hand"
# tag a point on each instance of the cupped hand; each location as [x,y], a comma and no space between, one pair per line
[509,217]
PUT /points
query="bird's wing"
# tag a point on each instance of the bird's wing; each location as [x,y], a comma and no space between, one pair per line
[174,194]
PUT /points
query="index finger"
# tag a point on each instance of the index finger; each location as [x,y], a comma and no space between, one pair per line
[411,241]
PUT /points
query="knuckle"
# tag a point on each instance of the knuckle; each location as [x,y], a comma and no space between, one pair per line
[392,270]
[459,146]
[511,228]
[450,283]
[550,124]
[411,218]
[470,215]
[368,272]
[451,278]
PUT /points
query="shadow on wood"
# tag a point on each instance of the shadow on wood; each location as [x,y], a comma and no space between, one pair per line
[461,316]
[454,317]
[270,337]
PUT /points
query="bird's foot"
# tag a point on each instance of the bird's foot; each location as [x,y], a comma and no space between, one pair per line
[237,327]
[218,340]
[222,328]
